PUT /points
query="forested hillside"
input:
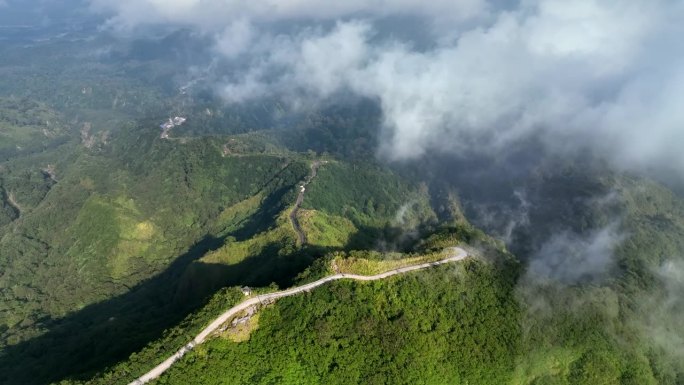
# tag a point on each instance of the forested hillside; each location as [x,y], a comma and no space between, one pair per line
[449,325]
[119,242]
[122,239]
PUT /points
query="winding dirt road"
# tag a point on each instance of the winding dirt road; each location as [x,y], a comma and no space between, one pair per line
[456,254]
[300,198]
[13,202]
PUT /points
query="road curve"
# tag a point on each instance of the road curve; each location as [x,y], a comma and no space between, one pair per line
[457,254]
[13,202]
[300,198]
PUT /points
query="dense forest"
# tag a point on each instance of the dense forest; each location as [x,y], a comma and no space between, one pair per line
[117,245]
[452,325]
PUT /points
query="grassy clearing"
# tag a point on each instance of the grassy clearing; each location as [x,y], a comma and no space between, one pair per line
[544,366]
[241,210]
[234,252]
[326,230]
[241,332]
[135,238]
[116,229]
[389,261]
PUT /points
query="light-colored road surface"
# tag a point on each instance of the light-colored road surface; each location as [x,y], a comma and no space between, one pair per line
[298,203]
[455,254]
[13,202]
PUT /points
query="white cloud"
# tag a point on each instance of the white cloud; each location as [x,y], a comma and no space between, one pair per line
[596,73]
[236,38]
[568,257]
[215,14]
[661,313]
